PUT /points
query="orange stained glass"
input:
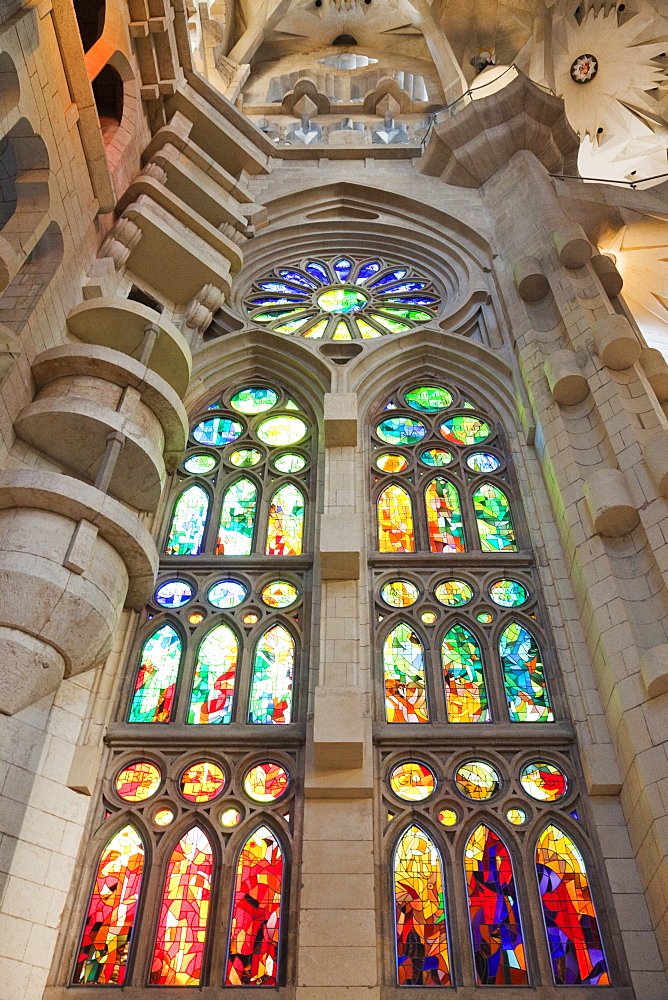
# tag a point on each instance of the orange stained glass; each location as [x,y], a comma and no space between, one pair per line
[202,782]
[181,937]
[444,517]
[285,530]
[395,521]
[403,666]
[138,782]
[420,913]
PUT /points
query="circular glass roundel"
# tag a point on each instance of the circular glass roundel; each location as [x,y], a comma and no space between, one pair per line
[253,400]
[412,781]
[508,593]
[400,430]
[453,593]
[280,431]
[342,300]
[280,594]
[483,462]
[174,594]
[428,617]
[516,816]
[196,618]
[429,398]
[266,782]
[200,464]
[138,782]
[252,618]
[436,457]
[543,781]
[448,817]
[245,457]
[163,817]
[227,594]
[230,818]
[465,429]
[391,463]
[217,431]
[476,779]
[399,593]
[290,463]
[485,617]
[202,782]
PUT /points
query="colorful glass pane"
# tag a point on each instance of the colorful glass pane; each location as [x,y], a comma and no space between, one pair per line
[138,782]
[484,617]
[163,817]
[367,271]
[295,324]
[230,817]
[478,780]
[524,676]
[200,464]
[412,781]
[543,781]
[298,278]
[389,277]
[465,429]
[227,594]
[367,331]
[156,679]
[403,666]
[107,933]
[290,463]
[279,594]
[508,593]
[266,782]
[271,685]
[342,300]
[429,398]
[217,431]
[278,432]
[253,954]
[496,929]
[343,268]
[342,331]
[453,593]
[253,400]
[465,692]
[186,533]
[573,934]
[237,519]
[318,271]
[286,522]
[448,817]
[414,315]
[399,593]
[181,937]
[202,782]
[317,331]
[483,462]
[516,816]
[444,517]
[436,457]
[390,324]
[245,457]
[173,594]
[428,617]
[400,430]
[214,678]
[395,521]
[495,521]
[391,463]
[420,912]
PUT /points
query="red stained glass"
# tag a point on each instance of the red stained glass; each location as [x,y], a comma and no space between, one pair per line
[138,782]
[256,913]
[202,782]
[111,914]
[181,937]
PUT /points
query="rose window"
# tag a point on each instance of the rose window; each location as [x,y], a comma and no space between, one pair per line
[343,299]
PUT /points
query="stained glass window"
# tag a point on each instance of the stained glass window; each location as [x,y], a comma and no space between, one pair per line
[496,929]
[524,676]
[465,692]
[237,519]
[573,934]
[286,522]
[214,679]
[254,948]
[420,912]
[495,522]
[271,684]
[105,943]
[444,517]
[405,690]
[188,523]
[181,936]
[153,697]
[395,521]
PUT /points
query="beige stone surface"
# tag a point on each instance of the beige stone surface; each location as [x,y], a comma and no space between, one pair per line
[616,342]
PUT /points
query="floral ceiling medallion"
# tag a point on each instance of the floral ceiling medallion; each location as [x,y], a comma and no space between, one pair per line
[584,68]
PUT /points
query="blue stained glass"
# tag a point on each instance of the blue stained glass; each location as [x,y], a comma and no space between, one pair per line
[413,300]
[368,271]
[343,268]
[274,301]
[276,286]
[298,278]
[173,594]
[410,286]
[217,431]
[387,278]
[318,271]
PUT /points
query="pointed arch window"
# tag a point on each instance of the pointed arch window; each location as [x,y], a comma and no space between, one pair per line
[214,678]
[188,523]
[444,517]
[405,685]
[237,519]
[271,683]
[395,520]
[463,675]
[155,686]
[524,675]
[495,520]
[286,521]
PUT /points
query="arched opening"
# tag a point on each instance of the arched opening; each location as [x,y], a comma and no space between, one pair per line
[9,85]
[345,40]
[108,93]
[8,173]
[30,282]
[90,16]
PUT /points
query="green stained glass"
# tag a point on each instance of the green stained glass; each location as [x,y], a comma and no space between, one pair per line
[213,681]
[342,300]
[200,464]
[429,398]
[453,593]
[294,324]
[465,430]
[285,529]
[524,676]
[277,314]
[186,534]
[280,431]
[227,594]
[271,685]
[403,667]
[399,593]
[367,331]
[414,315]
[280,594]
[495,521]
[508,593]
[482,462]
[255,399]
[484,617]
[237,519]
[401,430]
[290,463]
[245,457]
[436,457]
[158,672]
[291,405]
[444,517]
[217,431]
[390,324]
[465,693]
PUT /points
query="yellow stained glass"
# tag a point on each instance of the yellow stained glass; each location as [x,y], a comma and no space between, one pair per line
[395,521]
